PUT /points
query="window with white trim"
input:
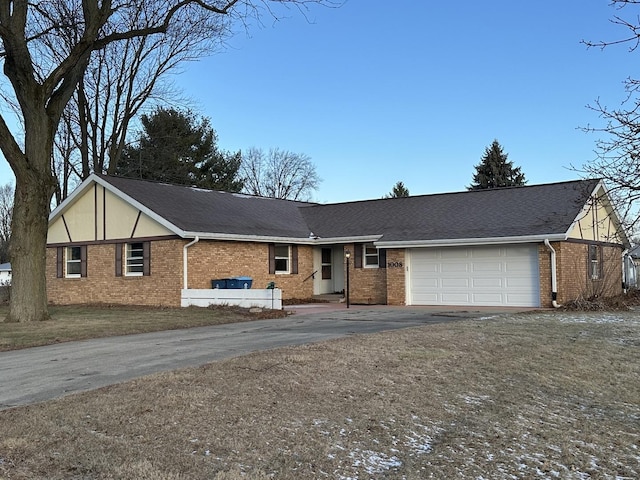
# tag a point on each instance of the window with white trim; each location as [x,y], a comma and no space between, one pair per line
[73,262]
[370,254]
[282,258]
[595,262]
[134,259]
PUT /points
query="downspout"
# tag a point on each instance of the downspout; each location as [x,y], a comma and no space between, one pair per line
[554,277]
[185,266]
[625,279]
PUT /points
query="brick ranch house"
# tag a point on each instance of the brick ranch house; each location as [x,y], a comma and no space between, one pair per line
[123,241]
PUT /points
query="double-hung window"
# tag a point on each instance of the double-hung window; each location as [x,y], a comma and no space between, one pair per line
[73,262]
[134,259]
[595,262]
[370,254]
[282,258]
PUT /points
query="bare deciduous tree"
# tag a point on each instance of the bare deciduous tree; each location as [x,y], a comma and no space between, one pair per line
[618,151]
[279,174]
[120,79]
[42,82]
[6,210]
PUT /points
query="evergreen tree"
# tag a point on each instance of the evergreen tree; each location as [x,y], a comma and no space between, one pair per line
[494,170]
[175,146]
[398,190]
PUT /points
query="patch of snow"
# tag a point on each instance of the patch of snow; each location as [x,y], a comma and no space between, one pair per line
[374,462]
[419,443]
[475,399]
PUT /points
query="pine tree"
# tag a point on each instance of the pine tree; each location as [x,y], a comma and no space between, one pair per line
[495,171]
[398,190]
[176,146]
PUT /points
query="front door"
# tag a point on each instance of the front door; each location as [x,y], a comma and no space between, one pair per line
[326,270]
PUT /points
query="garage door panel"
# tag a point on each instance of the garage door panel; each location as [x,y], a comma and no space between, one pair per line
[517,283]
[455,299]
[488,254]
[487,299]
[487,282]
[455,283]
[430,268]
[430,282]
[518,299]
[504,275]
[486,267]
[517,252]
[453,267]
[427,299]
[447,254]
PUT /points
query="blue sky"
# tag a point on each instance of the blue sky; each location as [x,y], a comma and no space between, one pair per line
[413,90]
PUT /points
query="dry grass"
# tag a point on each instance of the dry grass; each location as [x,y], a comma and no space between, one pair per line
[544,395]
[91,321]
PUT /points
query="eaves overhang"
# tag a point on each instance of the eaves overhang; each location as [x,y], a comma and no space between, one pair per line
[457,242]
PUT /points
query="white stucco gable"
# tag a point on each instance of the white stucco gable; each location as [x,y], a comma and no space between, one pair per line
[97,211]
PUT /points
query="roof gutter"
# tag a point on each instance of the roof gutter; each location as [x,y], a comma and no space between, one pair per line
[469,241]
[185,263]
[277,239]
[554,276]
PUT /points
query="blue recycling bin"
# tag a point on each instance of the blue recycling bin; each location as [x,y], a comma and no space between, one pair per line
[239,282]
[219,283]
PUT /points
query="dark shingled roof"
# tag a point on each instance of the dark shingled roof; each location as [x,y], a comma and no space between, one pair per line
[208,211]
[501,212]
[504,212]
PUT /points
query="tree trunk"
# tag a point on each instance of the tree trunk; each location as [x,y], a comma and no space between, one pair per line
[34,188]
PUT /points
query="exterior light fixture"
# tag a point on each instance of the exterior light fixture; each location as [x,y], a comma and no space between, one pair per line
[347,256]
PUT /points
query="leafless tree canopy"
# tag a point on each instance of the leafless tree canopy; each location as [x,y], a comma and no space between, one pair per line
[47,48]
[279,174]
[120,79]
[618,147]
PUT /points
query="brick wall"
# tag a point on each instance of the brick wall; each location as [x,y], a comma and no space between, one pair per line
[544,270]
[210,259]
[572,272]
[101,285]
[367,286]
[396,271]
[207,260]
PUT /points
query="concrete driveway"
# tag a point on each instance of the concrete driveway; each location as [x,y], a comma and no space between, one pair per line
[43,373]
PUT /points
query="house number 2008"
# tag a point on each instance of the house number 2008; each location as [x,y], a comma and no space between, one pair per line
[394,264]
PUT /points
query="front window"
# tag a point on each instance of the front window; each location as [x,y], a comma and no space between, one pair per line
[282,258]
[370,256]
[135,259]
[73,262]
[595,262]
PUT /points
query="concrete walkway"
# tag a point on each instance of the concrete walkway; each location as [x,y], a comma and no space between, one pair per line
[43,373]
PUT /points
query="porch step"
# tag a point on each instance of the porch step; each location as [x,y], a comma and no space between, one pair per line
[329,298]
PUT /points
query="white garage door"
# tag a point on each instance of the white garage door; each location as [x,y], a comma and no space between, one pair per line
[489,276]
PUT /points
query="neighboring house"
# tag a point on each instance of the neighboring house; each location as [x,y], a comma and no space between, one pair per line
[5,273]
[124,241]
[634,254]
